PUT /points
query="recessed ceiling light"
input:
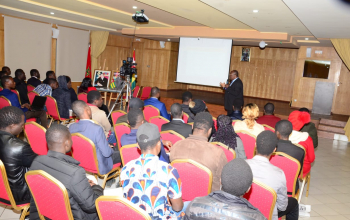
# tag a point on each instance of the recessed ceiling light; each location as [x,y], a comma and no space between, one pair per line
[306,38]
[255,11]
[52,13]
[134,7]
[168,39]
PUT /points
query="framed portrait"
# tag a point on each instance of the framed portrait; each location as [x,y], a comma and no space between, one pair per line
[101,78]
[114,78]
[245,57]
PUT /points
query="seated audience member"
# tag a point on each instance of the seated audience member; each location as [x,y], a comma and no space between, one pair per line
[283,129]
[268,118]
[82,192]
[177,124]
[196,147]
[237,110]
[7,70]
[227,135]
[106,156]
[197,106]
[134,103]
[250,113]
[310,128]
[35,78]
[63,97]
[9,84]
[163,184]
[236,180]
[94,99]
[16,154]
[2,73]
[21,86]
[49,75]
[298,120]
[46,89]
[273,176]
[86,86]
[186,99]
[73,95]
[135,120]
[154,101]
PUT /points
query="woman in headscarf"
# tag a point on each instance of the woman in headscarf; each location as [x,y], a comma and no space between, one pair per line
[227,135]
[197,106]
[63,97]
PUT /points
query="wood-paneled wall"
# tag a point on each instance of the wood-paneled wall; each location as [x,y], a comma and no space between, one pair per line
[2,42]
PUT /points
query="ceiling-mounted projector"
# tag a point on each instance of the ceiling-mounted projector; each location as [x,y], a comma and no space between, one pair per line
[140,17]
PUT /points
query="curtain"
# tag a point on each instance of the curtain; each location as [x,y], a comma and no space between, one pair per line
[347,129]
[98,44]
[342,46]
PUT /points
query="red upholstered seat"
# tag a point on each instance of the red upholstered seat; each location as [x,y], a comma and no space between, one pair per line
[17,93]
[50,195]
[82,97]
[31,96]
[30,88]
[262,197]
[116,114]
[249,142]
[118,208]
[268,128]
[4,102]
[185,117]
[196,179]
[159,121]
[229,152]
[171,136]
[119,130]
[234,121]
[35,135]
[150,111]
[129,152]
[52,110]
[215,123]
[146,92]
[136,92]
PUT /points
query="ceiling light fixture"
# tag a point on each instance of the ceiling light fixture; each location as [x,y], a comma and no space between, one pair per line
[134,7]
[52,13]
[306,38]
[168,39]
[255,11]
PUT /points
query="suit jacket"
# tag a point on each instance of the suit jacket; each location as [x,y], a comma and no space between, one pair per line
[179,127]
[34,81]
[159,105]
[233,92]
[21,87]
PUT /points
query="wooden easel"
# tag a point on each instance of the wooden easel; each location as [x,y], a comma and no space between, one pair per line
[105,93]
[111,96]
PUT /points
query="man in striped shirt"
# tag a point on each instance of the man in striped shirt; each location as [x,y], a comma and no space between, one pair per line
[46,89]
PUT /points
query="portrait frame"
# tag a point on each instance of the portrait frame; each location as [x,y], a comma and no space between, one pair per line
[114,75]
[104,83]
[245,56]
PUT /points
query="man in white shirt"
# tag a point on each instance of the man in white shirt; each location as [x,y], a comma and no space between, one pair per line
[273,176]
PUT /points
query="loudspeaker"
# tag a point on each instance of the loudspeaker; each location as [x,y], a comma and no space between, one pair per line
[55,33]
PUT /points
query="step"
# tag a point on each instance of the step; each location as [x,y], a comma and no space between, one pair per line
[337,130]
[334,123]
[325,134]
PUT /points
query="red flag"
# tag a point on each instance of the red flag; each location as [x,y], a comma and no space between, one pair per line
[133,59]
[88,64]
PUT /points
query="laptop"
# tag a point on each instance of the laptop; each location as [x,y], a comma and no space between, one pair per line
[38,103]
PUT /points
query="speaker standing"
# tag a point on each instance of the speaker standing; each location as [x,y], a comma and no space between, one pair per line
[233,92]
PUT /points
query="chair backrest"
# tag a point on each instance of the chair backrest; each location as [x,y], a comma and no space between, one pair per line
[229,152]
[50,195]
[119,130]
[31,96]
[129,152]
[136,91]
[290,166]
[215,123]
[52,108]
[150,111]
[1,88]
[17,93]
[84,151]
[268,128]
[172,136]
[5,190]
[4,102]
[116,208]
[185,117]
[30,88]
[159,121]
[146,92]
[234,122]
[82,96]
[191,174]
[35,135]
[249,142]
[301,146]
[116,114]
[262,197]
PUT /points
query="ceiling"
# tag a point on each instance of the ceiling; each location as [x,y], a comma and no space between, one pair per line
[280,23]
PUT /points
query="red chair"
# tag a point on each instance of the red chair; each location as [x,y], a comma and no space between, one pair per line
[234,122]
[53,112]
[146,92]
[50,196]
[171,136]
[6,194]
[262,197]
[290,167]
[268,128]
[215,123]
[119,130]
[159,121]
[249,142]
[185,117]
[1,88]
[17,93]
[116,114]
[116,208]
[30,88]
[31,96]
[129,152]
[4,102]
[229,152]
[82,97]
[136,91]
[35,134]
[150,111]
[191,174]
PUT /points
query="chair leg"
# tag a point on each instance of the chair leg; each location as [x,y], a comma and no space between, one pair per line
[50,122]
[308,184]
[24,213]
[302,189]
[104,181]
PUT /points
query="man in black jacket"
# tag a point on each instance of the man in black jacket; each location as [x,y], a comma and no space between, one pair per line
[16,154]
[186,99]
[35,78]
[177,124]
[21,85]
[233,91]
[82,192]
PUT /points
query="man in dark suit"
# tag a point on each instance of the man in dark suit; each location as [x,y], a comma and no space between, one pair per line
[233,90]
[177,124]
[35,78]
[21,86]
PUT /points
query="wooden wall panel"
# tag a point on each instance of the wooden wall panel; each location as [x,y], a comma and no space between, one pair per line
[2,42]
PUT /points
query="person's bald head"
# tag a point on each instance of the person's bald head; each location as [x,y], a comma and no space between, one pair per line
[155,92]
[59,139]
[81,109]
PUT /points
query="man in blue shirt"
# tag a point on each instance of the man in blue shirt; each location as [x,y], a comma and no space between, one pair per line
[154,101]
[9,84]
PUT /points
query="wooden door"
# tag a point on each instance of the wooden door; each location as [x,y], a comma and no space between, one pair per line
[341,103]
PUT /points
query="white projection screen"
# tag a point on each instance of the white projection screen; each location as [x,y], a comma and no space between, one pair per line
[204,61]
